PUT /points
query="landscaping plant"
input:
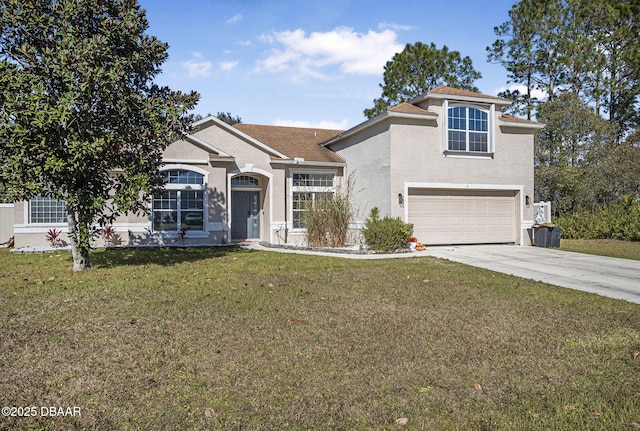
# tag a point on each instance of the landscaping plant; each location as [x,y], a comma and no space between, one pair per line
[327,219]
[387,234]
[53,237]
[82,120]
[620,220]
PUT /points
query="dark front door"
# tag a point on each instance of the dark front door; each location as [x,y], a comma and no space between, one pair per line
[245,214]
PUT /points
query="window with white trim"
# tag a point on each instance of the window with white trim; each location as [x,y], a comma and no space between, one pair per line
[181,204]
[44,209]
[309,188]
[468,129]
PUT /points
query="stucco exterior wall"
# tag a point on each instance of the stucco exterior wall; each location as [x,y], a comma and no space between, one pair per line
[369,165]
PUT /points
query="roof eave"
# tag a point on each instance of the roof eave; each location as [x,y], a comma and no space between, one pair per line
[309,163]
[519,125]
[440,96]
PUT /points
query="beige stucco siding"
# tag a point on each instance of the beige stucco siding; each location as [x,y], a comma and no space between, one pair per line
[369,164]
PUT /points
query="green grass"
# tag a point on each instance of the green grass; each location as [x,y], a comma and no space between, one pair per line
[603,247]
[195,339]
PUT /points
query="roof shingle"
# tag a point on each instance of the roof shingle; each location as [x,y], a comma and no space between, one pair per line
[295,141]
[466,93]
[408,108]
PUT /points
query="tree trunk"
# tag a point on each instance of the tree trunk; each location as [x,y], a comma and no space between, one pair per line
[79,252]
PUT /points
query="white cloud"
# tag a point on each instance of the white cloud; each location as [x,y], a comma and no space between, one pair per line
[395,27]
[324,124]
[234,19]
[313,55]
[197,67]
[228,65]
[244,42]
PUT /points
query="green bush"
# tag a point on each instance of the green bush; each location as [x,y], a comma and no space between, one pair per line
[620,220]
[387,234]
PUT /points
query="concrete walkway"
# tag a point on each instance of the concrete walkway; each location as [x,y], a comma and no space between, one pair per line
[606,276]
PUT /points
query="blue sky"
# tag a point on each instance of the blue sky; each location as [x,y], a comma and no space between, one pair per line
[310,63]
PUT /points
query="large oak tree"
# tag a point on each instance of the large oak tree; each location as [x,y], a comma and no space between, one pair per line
[81,119]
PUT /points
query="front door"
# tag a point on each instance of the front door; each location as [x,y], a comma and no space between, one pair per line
[245,214]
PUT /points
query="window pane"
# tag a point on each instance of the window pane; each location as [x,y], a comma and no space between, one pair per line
[192,220]
[48,210]
[477,120]
[458,118]
[244,180]
[191,210]
[457,141]
[191,200]
[478,142]
[313,180]
[183,177]
[166,200]
[165,220]
[300,200]
[165,214]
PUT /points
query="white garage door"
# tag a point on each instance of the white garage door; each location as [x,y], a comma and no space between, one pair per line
[463,216]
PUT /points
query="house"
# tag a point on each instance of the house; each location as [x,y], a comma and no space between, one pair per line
[449,161]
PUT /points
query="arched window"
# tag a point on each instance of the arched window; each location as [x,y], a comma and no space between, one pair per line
[181,204]
[468,129]
[244,181]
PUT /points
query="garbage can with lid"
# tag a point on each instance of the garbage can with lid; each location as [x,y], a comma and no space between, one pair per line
[547,236]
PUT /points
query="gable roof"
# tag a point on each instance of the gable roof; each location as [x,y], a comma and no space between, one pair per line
[294,142]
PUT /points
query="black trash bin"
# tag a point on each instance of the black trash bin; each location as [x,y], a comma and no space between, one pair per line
[547,236]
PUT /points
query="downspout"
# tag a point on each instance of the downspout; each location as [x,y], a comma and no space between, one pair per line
[286,210]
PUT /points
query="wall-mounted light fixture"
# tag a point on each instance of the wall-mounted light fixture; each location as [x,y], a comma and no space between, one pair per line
[527,200]
[400,199]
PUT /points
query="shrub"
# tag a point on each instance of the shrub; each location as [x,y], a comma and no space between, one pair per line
[387,234]
[620,220]
[54,237]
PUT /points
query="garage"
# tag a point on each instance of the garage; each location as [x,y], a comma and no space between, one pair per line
[443,216]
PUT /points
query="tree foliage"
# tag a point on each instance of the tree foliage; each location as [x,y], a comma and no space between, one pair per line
[588,48]
[224,116]
[578,166]
[584,55]
[228,118]
[419,68]
[80,117]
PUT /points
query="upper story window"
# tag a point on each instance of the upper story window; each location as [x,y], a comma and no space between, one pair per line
[47,210]
[468,129]
[309,189]
[181,204]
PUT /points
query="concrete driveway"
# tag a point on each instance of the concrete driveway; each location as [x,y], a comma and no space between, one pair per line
[606,276]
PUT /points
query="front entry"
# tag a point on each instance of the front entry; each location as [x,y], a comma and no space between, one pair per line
[245,214]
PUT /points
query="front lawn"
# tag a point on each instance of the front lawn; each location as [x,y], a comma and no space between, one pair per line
[603,247]
[195,339]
